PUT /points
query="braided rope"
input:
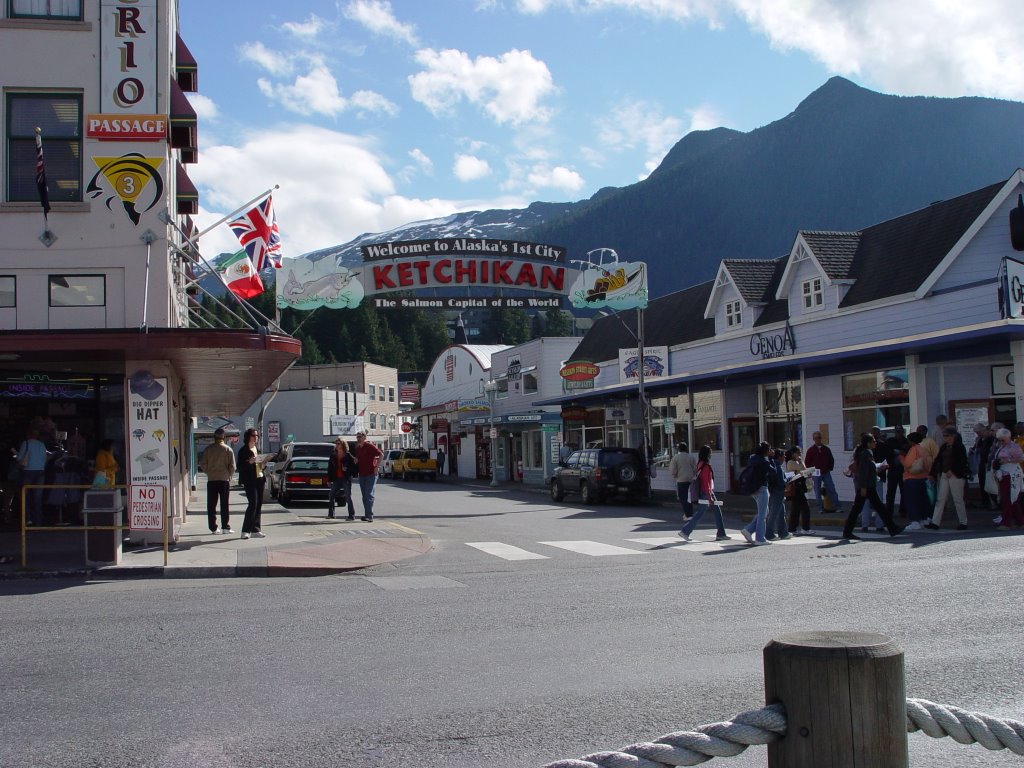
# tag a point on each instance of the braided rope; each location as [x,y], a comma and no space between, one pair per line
[725,739]
[938,720]
[762,726]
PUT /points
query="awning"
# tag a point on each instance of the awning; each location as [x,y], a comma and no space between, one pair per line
[224,371]
[185,68]
[185,193]
[183,124]
[944,342]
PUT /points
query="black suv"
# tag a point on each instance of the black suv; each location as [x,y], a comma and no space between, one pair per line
[597,473]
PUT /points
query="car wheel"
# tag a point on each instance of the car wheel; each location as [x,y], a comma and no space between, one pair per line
[283,499]
[588,495]
[557,494]
[627,473]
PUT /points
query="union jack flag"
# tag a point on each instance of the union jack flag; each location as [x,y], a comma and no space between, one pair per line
[259,235]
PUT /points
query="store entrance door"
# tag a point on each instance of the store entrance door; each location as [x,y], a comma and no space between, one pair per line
[743,440]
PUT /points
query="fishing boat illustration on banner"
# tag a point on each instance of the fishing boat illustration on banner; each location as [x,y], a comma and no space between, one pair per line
[604,281]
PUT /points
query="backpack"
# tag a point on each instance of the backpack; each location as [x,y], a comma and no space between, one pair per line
[748,481]
[695,492]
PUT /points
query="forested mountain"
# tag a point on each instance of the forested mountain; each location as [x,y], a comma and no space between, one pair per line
[846,158]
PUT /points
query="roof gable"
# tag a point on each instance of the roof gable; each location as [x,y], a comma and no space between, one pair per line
[898,256]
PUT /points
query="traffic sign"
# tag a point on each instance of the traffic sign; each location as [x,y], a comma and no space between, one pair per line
[146,505]
[406,426]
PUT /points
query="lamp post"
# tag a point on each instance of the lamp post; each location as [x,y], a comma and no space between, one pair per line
[491,390]
[640,381]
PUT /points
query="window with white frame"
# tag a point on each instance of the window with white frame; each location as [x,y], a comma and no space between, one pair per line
[46,9]
[59,116]
[8,291]
[371,391]
[733,314]
[391,394]
[502,389]
[78,290]
[813,293]
[373,421]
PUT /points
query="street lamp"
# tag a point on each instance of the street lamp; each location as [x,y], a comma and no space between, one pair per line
[640,379]
[491,390]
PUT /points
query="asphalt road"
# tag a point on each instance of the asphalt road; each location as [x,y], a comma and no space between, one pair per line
[463,658]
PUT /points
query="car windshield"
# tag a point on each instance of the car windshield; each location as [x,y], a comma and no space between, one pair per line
[317,465]
[315,449]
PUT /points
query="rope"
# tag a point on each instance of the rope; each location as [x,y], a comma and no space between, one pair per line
[725,739]
[938,720]
[762,726]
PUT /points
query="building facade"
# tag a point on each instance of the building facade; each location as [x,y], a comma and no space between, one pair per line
[890,325]
[99,335]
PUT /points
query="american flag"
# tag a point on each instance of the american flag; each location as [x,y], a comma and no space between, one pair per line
[44,193]
[258,233]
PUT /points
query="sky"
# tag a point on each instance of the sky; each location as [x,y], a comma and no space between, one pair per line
[369,114]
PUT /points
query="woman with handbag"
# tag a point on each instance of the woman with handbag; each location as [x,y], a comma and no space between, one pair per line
[1005,465]
[702,494]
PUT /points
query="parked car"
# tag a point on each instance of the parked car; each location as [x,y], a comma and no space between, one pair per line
[599,473]
[413,464]
[287,452]
[388,462]
[304,479]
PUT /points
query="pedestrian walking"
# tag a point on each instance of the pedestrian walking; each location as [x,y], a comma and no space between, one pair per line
[896,447]
[819,456]
[341,468]
[754,531]
[218,462]
[865,481]
[702,495]
[868,517]
[253,480]
[796,491]
[682,468]
[775,526]
[440,460]
[367,456]
[950,472]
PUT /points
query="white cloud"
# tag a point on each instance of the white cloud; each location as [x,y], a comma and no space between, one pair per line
[558,177]
[470,168]
[510,88]
[421,159]
[205,107]
[353,193]
[317,92]
[306,30]
[705,117]
[909,47]
[314,92]
[912,47]
[640,125]
[377,16]
[273,62]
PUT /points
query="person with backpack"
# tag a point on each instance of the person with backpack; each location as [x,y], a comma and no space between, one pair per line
[754,482]
[702,496]
[775,526]
[865,481]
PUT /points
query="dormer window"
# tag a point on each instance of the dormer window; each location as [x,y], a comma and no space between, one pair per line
[733,314]
[813,294]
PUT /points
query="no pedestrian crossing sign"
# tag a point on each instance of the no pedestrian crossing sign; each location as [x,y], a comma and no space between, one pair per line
[146,507]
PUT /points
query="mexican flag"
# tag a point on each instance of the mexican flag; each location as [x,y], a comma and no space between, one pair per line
[241,276]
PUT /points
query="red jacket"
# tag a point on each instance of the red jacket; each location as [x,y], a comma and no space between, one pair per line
[820,456]
[368,456]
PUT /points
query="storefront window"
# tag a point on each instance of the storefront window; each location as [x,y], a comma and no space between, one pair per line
[615,434]
[529,383]
[533,443]
[707,420]
[7,292]
[881,399]
[670,418]
[783,414]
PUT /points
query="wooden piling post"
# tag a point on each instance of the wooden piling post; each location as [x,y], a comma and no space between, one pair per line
[845,699]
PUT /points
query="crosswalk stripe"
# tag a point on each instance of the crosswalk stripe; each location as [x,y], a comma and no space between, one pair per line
[592,548]
[505,551]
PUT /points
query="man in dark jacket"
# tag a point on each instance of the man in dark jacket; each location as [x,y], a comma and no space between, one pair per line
[896,446]
[820,457]
[949,470]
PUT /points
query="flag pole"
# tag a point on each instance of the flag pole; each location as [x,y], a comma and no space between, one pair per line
[47,238]
[237,211]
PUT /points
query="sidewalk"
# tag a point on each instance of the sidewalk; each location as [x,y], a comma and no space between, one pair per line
[300,541]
